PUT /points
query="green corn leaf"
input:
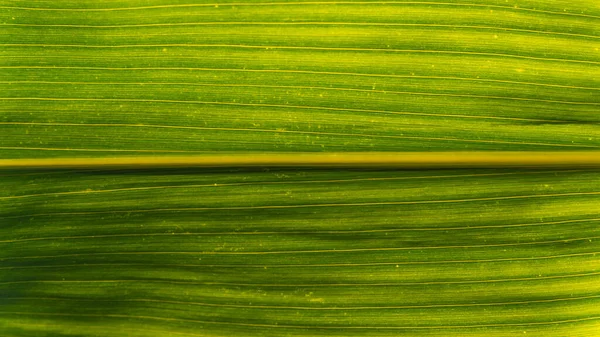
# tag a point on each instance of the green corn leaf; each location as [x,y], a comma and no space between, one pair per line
[298,251]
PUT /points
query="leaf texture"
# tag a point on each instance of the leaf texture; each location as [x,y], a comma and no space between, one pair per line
[301,253]
[298,252]
[126,77]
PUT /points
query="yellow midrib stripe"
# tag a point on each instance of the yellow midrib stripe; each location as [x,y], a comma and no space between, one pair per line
[411,160]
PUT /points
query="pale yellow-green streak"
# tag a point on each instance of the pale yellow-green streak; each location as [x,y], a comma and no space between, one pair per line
[489,159]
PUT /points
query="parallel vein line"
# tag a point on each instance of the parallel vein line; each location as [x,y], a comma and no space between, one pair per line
[283,23]
[282,252]
[315,285]
[396,92]
[316,133]
[341,307]
[313,265]
[288,71]
[300,3]
[265,47]
[316,327]
[295,206]
[290,182]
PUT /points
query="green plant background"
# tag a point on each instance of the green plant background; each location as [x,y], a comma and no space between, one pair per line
[298,252]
